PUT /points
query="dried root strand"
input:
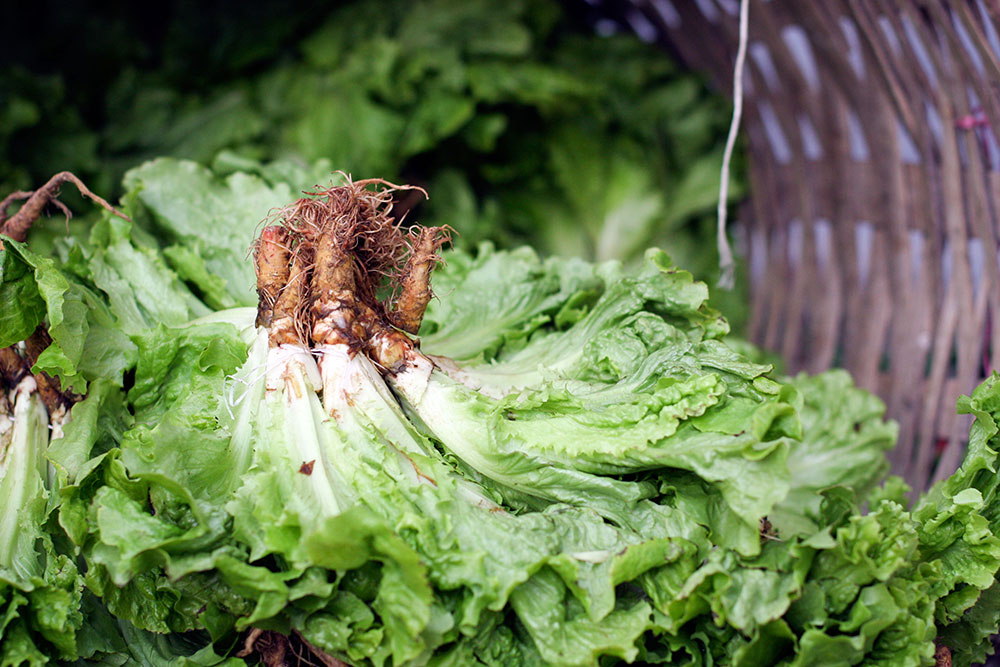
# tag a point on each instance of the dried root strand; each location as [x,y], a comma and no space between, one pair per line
[334,303]
[360,220]
[379,242]
[271,647]
[415,292]
[271,263]
[17,225]
[324,659]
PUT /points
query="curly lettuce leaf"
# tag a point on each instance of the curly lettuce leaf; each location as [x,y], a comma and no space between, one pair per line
[844,441]
[76,316]
[24,306]
[627,377]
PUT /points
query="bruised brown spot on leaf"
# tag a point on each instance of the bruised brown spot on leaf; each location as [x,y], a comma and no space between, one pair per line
[768,531]
[293,385]
[348,398]
[416,469]
[307,467]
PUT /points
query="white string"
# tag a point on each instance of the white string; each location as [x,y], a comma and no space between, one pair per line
[229,387]
[726,264]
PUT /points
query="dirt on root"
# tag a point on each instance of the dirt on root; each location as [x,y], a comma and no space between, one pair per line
[359,218]
[351,264]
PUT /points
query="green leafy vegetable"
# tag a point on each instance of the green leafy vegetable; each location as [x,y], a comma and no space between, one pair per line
[572,467]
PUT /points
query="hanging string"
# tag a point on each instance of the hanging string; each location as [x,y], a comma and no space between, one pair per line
[726,265]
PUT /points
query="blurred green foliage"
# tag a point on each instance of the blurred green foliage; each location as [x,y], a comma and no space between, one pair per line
[522,124]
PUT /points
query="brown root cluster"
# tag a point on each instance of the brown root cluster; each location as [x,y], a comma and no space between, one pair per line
[358,217]
[336,267]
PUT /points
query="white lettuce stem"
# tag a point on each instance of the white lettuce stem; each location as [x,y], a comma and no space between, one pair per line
[244,393]
[23,469]
[355,394]
[293,378]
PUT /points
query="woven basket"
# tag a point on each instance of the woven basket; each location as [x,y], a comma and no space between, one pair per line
[871,231]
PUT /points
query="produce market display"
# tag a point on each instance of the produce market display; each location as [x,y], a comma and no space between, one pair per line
[466,401]
[549,462]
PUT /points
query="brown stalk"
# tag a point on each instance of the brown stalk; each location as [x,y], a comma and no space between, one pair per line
[277,650]
[271,263]
[334,307]
[17,225]
[285,317]
[942,656]
[389,347]
[360,221]
[415,291]
[357,247]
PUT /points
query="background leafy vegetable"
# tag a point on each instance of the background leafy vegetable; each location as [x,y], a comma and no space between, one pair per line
[523,125]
